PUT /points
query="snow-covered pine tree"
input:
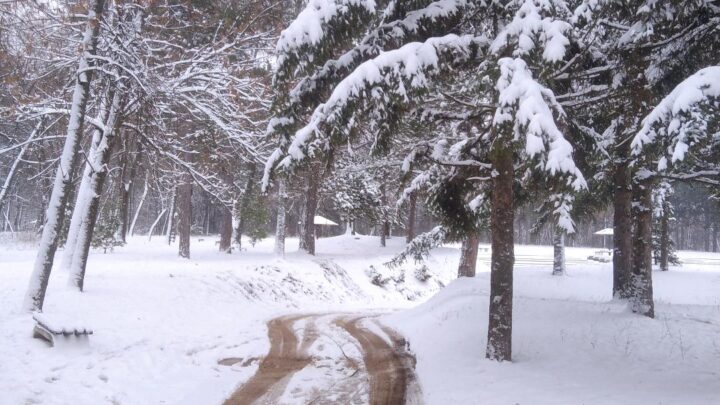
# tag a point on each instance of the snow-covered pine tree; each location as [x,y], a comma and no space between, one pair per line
[515,117]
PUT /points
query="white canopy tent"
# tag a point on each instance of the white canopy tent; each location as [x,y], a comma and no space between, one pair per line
[318,220]
[604,232]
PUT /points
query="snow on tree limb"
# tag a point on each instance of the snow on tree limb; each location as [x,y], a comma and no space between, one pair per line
[529,28]
[529,107]
[408,28]
[680,119]
[318,20]
[378,84]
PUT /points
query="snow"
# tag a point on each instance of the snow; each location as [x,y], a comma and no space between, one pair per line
[410,63]
[162,323]
[676,116]
[572,343]
[529,27]
[309,26]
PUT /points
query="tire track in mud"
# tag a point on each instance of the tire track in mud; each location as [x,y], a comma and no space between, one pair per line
[385,372]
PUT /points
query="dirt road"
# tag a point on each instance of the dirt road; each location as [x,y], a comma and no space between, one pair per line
[335,359]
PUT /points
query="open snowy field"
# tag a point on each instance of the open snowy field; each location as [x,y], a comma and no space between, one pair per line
[161,325]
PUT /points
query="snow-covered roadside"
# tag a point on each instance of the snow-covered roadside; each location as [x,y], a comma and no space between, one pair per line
[571,343]
[162,323]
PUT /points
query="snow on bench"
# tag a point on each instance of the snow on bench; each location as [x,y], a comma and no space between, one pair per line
[58,328]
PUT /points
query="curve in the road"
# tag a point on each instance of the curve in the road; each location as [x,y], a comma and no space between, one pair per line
[390,369]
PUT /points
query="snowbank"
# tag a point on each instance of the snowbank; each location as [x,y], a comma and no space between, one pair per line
[571,344]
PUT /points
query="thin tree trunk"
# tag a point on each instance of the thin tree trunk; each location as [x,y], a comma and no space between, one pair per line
[140,204]
[307,226]
[55,216]
[127,177]
[665,239]
[468,255]
[280,230]
[499,342]
[622,233]
[383,222]
[154,224]
[100,160]
[226,228]
[184,197]
[13,167]
[715,236]
[244,205]
[642,290]
[412,206]
[171,215]
[559,252]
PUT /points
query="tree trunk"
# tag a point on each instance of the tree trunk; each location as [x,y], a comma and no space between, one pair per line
[559,252]
[84,192]
[499,342]
[280,230]
[100,160]
[622,233]
[154,224]
[140,204]
[244,204]
[226,231]
[184,203]
[171,216]
[642,290]
[468,255]
[715,236]
[665,239]
[55,216]
[307,225]
[127,177]
[410,226]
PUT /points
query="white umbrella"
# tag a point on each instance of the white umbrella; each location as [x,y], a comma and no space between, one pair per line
[318,220]
[604,232]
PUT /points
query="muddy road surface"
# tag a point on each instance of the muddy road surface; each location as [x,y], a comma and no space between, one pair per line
[331,359]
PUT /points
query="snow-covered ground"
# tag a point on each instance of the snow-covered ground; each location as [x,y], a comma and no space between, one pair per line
[571,343]
[162,323]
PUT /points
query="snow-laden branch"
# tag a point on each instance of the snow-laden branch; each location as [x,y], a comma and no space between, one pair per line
[377,85]
[680,119]
[528,107]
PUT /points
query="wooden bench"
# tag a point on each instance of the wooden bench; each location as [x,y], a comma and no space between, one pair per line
[57,331]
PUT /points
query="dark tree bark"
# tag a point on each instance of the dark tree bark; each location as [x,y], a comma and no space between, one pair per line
[499,342]
[244,204]
[468,255]
[622,220]
[127,176]
[410,226]
[184,205]
[307,226]
[665,240]
[559,252]
[641,281]
[715,237]
[226,231]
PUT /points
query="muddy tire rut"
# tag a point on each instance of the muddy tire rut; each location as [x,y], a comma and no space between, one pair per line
[382,373]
